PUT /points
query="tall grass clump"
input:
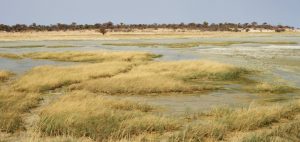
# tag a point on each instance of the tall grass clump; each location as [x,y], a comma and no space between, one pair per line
[195,70]
[138,84]
[61,46]
[10,56]
[223,121]
[272,88]
[96,56]
[50,77]
[5,75]
[166,77]
[22,46]
[82,113]
[12,105]
[288,132]
[246,119]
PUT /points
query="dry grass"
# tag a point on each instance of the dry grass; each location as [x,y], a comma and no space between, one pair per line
[136,78]
[51,77]
[166,77]
[271,88]
[5,75]
[152,34]
[288,132]
[194,70]
[196,44]
[10,56]
[35,46]
[96,56]
[224,122]
[85,114]
[12,105]
[138,84]
[22,46]
[61,46]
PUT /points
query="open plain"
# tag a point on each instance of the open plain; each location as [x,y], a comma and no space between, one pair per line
[149,86]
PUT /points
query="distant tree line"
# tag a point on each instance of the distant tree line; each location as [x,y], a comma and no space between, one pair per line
[103,27]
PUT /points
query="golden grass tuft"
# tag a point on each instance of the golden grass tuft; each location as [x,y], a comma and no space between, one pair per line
[12,105]
[137,84]
[50,77]
[195,70]
[82,113]
[5,75]
[35,46]
[283,133]
[10,56]
[61,46]
[273,88]
[22,46]
[221,122]
[166,77]
[96,56]
[131,77]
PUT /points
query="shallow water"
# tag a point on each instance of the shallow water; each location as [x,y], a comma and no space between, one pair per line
[23,65]
[275,61]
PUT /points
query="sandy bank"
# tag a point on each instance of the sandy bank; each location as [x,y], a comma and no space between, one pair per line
[92,35]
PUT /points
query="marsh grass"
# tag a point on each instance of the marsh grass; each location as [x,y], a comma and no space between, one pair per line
[221,122]
[5,75]
[35,46]
[10,56]
[97,56]
[196,44]
[166,77]
[287,132]
[61,46]
[125,77]
[12,105]
[91,57]
[83,112]
[51,77]
[271,88]
[86,114]
[23,46]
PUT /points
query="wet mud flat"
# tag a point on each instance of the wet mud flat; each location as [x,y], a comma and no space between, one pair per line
[276,61]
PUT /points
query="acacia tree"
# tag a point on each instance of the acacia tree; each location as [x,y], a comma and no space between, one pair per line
[103,30]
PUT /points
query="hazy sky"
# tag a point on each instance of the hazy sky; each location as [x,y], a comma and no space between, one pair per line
[149,11]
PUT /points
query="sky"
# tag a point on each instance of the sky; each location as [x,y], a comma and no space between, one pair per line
[286,12]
